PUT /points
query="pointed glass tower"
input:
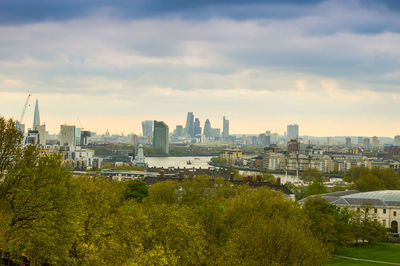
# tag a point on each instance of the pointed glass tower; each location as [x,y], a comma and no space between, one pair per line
[36,119]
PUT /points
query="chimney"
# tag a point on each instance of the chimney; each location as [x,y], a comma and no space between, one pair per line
[231,176]
[162,174]
[259,178]
[244,180]
[278,181]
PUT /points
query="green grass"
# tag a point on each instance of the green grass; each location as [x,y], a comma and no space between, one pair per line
[381,252]
[346,262]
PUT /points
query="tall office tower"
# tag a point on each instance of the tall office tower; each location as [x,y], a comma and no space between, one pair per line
[207,129]
[67,135]
[84,140]
[375,141]
[360,140]
[197,127]
[179,131]
[41,129]
[147,128]
[396,140]
[36,118]
[225,128]
[292,132]
[366,142]
[161,137]
[189,130]
[348,141]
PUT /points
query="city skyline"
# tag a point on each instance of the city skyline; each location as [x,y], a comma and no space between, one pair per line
[330,66]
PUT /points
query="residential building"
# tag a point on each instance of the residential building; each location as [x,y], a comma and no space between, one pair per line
[67,135]
[292,132]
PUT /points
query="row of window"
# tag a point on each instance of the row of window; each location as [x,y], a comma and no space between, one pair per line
[376,211]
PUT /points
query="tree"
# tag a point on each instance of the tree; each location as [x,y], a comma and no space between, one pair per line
[164,192]
[36,200]
[368,182]
[135,189]
[310,175]
[316,187]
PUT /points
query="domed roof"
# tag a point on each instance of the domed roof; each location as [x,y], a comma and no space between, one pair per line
[383,195]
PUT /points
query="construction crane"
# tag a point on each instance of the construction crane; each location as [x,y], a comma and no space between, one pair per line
[23,111]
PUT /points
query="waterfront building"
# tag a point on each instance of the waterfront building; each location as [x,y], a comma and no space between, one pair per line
[292,132]
[161,137]
[232,156]
[384,205]
[147,128]
[189,129]
[67,135]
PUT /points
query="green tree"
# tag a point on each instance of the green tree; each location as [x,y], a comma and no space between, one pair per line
[316,187]
[368,182]
[37,200]
[164,192]
[135,189]
[310,175]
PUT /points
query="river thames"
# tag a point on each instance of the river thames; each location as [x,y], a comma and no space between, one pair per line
[201,162]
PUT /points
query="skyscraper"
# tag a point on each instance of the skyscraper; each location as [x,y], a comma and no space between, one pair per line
[396,140]
[147,128]
[197,127]
[36,119]
[161,137]
[292,132]
[179,131]
[225,128]
[189,130]
[207,129]
[67,135]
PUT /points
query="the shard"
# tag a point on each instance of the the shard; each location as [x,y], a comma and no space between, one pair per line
[36,119]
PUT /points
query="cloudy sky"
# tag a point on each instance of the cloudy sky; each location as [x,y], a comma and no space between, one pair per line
[333,67]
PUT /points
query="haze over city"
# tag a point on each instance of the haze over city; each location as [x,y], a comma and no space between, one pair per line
[330,66]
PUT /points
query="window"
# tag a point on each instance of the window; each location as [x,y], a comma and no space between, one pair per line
[394,213]
[375,210]
[384,222]
[384,210]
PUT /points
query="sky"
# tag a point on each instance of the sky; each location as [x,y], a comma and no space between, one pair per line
[332,67]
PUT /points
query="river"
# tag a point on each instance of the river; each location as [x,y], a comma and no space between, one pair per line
[196,162]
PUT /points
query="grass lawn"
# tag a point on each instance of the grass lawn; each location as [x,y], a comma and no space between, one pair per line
[345,262]
[381,251]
